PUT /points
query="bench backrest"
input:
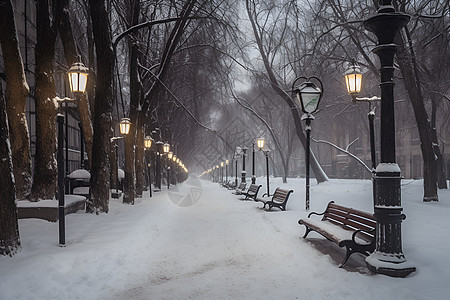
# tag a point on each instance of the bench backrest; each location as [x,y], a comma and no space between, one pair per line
[253,188]
[242,186]
[351,219]
[280,195]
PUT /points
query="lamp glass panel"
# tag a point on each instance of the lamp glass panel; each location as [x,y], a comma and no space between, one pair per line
[260,143]
[309,97]
[82,82]
[353,82]
[147,142]
[124,126]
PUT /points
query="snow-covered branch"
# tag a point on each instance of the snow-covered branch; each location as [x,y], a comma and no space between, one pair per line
[345,151]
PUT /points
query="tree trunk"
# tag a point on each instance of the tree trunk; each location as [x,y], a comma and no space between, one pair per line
[16,93]
[130,139]
[103,108]
[71,54]
[9,226]
[45,168]
[410,73]
[139,155]
[441,180]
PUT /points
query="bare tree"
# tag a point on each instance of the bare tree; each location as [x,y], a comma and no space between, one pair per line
[100,171]
[16,93]
[268,53]
[45,170]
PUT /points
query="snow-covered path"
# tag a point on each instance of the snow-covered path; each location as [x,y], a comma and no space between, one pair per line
[223,248]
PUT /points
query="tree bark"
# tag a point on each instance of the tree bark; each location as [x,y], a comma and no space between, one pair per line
[103,109]
[45,168]
[16,93]
[441,179]
[9,226]
[410,73]
[130,139]
[71,55]
[139,155]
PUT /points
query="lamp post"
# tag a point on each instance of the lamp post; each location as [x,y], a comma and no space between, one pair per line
[124,128]
[353,80]
[260,143]
[236,170]
[174,158]
[243,173]
[148,144]
[221,171]
[166,149]
[169,163]
[159,149]
[308,97]
[388,257]
[226,170]
[253,164]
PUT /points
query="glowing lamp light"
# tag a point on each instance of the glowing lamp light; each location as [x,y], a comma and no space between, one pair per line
[260,143]
[147,142]
[170,155]
[78,75]
[124,126]
[353,80]
[166,148]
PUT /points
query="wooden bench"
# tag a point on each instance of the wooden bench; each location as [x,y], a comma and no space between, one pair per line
[231,186]
[227,184]
[252,192]
[347,227]
[240,189]
[279,199]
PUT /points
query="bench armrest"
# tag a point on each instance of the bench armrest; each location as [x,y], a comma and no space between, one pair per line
[314,213]
[361,230]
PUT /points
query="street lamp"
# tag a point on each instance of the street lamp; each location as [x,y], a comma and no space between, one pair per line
[353,80]
[159,149]
[388,257]
[78,75]
[148,144]
[244,154]
[226,170]
[253,164]
[124,126]
[166,148]
[221,171]
[260,143]
[308,97]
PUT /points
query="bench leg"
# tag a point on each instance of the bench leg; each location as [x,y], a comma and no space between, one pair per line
[347,255]
[308,230]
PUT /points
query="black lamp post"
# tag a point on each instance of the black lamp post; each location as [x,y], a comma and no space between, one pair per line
[253,164]
[236,170]
[353,80]
[166,150]
[308,97]
[148,144]
[388,257]
[159,149]
[124,128]
[260,143]
[243,173]
[226,170]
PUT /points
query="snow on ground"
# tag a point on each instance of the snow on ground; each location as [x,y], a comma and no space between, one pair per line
[199,241]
